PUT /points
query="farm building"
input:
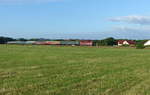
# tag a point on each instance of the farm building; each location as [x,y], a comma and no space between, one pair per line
[126,42]
[21,42]
[52,42]
[147,43]
[12,42]
[86,43]
[40,43]
[69,43]
[30,42]
[16,42]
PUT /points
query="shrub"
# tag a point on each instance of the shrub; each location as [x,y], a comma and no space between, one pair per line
[140,46]
[125,45]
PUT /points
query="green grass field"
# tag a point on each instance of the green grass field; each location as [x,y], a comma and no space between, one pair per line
[50,70]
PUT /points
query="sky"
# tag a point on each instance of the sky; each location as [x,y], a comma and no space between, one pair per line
[75,19]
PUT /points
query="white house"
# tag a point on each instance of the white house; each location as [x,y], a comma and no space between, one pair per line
[125,42]
[147,43]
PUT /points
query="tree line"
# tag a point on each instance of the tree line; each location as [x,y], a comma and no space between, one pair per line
[108,42]
[104,42]
[4,40]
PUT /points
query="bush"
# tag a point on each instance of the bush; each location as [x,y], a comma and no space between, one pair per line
[140,46]
[125,45]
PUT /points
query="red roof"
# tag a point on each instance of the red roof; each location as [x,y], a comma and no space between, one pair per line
[129,41]
[86,43]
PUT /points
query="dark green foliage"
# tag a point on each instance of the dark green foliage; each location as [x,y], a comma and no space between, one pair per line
[140,45]
[105,42]
[4,40]
[110,41]
[33,39]
[125,45]
[141,41]
[22,39]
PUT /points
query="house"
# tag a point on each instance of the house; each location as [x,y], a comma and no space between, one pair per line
[126,42]
[147,43]
[86,43]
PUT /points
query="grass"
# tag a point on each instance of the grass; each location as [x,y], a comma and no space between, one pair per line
[50,70]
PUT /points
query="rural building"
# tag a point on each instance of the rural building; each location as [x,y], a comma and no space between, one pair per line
[30,42]
[86,43]
[69,42]
[52,42]
[16,42]
[126,42]
[40,43]
[147,43]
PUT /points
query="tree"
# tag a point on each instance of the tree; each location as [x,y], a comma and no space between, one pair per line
[4,40]
[140,45]
[108,42]
[22,39]
[105,42]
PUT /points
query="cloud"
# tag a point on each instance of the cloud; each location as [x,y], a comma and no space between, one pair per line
[134,29]
[135,19]
[28,1]
[132,32]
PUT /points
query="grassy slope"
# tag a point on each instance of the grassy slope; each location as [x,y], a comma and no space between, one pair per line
[45,70]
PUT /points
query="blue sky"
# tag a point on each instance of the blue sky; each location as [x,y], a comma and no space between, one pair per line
[84,19]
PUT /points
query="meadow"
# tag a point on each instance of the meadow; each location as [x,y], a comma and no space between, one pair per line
[55,70]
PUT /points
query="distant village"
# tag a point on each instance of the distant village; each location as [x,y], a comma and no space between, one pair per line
[76,42]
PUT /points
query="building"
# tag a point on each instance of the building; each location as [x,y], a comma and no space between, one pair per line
[30,42]
[86,43]
[16,42]
[52,42]
[70,43]
[126,42]
[147,43]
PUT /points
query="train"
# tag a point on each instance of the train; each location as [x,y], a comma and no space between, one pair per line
[65,43]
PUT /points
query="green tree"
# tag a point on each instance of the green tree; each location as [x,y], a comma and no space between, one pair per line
[140,45]
[109,41]
[4,40]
